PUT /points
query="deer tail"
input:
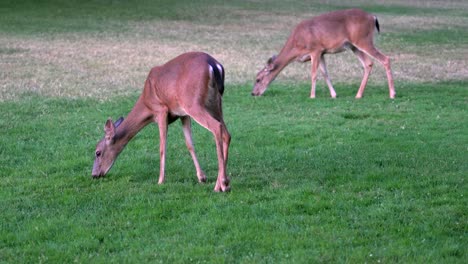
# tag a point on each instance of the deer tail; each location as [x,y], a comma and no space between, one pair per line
[218,72]
[377,26]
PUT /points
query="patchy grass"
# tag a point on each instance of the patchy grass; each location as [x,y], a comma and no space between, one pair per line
[110,47]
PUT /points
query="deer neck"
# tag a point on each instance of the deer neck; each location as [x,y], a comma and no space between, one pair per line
[284,58]
[136,120]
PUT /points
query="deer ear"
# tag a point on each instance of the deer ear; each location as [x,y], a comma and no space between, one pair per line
[118,122]
[109,130]
[270,64]
[271,59]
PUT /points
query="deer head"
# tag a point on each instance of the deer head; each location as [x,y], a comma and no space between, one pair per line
[107,149]
[264,77]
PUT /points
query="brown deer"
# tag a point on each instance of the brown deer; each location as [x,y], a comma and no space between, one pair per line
[188,86]
[328,33]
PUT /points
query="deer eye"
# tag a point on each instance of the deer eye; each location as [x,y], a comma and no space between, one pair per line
[98,153]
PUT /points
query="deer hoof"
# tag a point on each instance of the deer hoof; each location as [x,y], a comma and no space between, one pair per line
[219,188]
[201,178]
[227,189]
[226,182]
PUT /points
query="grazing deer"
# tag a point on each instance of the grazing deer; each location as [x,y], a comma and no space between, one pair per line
[189,86]
[328,33]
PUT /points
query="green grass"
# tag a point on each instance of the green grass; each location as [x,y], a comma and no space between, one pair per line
[338,180]
[33,17]
[345,180]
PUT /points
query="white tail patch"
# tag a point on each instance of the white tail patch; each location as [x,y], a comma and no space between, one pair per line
[211,71]
[212,77]
[220,68]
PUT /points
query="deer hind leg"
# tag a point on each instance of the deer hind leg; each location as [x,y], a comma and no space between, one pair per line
[314,60]
[226,143]
[187,128]
[323,68]
[162,124]
[222,139]
[367,66]
[370,50]
[222,183]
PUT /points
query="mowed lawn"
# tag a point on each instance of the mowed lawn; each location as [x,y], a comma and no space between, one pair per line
[324,180]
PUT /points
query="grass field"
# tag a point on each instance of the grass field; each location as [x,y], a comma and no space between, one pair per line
[371,180]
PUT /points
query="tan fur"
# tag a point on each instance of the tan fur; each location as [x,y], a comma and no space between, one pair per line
[184,88]
[328,33]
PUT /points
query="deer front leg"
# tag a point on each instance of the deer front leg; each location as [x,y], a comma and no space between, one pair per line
[162,124]
[187,128]
[314,59]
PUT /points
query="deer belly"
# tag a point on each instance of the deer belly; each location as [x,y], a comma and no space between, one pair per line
[339,49]
[178,111]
